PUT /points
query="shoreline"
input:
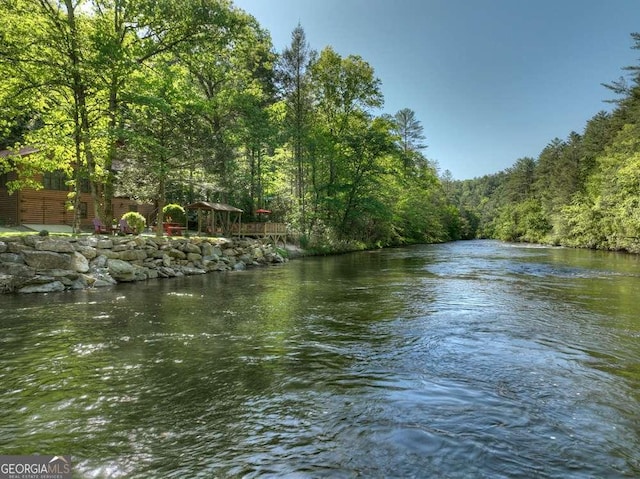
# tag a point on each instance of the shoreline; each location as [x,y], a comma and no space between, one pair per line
[44,264]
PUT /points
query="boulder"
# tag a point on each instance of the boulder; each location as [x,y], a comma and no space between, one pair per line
[191,270]
[206,249]
[121,271]
[55,245]
[79,263]
[3,247]
[11,258]
[53,286]
[87,251]
[104,244]
[17,269]
[177,254]
[191,248]
[47,259]
[16,247]
[133,255]
[99,262]
[7,283]
[194,257]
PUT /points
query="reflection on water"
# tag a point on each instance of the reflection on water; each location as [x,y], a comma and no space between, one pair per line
[471,359]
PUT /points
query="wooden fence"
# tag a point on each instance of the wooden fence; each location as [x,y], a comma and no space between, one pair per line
[272,231]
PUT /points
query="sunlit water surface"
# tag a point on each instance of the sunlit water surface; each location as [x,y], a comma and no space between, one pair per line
[470,359]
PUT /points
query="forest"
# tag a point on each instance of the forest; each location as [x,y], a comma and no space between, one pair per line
[176,101]
[582,191]
[186,100]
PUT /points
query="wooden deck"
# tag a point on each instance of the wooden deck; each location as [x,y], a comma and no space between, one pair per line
[271,231]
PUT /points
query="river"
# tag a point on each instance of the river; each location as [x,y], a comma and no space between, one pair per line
[468,359]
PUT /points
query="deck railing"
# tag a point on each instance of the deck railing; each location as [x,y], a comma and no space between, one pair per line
[259,229]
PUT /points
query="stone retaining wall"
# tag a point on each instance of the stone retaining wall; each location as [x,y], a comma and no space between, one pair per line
[41,264]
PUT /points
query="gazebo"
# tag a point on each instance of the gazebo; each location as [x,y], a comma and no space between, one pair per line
[222,217]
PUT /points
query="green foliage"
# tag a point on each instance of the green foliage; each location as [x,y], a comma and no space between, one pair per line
[136,221]
[182,100]
[175,212]
[522,222]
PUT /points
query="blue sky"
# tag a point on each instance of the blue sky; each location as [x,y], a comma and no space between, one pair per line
[490,80]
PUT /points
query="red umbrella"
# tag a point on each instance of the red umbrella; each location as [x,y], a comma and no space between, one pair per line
[263,211]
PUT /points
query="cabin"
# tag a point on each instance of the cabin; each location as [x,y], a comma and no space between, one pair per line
[48,206]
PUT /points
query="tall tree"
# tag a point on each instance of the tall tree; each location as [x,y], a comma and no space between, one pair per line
[293,74]
[345,89]
[411,136]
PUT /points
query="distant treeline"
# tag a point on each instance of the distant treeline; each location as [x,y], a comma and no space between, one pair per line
[583,191]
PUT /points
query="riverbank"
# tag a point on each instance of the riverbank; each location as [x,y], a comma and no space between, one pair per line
[43,264]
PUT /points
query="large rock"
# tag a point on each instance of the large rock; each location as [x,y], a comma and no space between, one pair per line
[47,259]
[79,263]
[53,286]
[191,270]
[191,248]
[11,258]
[121,271]
[3,247]
[55,245]
[87,251]
[177,254]
[7,283]
[17,269]
[194,257]
[133,255]
[206,249]
[104,244]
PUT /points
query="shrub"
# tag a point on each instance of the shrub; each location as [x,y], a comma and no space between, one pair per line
[175,212]
[135,221]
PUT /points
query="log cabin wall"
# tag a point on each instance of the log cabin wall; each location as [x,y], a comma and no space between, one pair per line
[48,207]
[8,203]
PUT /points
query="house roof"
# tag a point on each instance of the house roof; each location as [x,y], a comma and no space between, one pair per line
[205,205]
[27,150]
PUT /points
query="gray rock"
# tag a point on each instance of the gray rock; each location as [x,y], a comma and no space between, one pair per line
[11,258]
[3,247]
[99,262]
[177,254]
[206,249]
[121,271]
[194,257]
[133,255]
[79,263]
[239,266]
[104,244]
[88,252]
[47,260]
[7,283]
[191,248]
[152,273]
[189,270]
[17,269]
[16,247]
[54,286]
[55,245]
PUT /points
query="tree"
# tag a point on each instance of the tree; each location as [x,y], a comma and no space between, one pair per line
[345,90]
[294,80]
[411,135]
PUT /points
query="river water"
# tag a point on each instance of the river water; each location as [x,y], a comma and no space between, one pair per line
[469,359]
